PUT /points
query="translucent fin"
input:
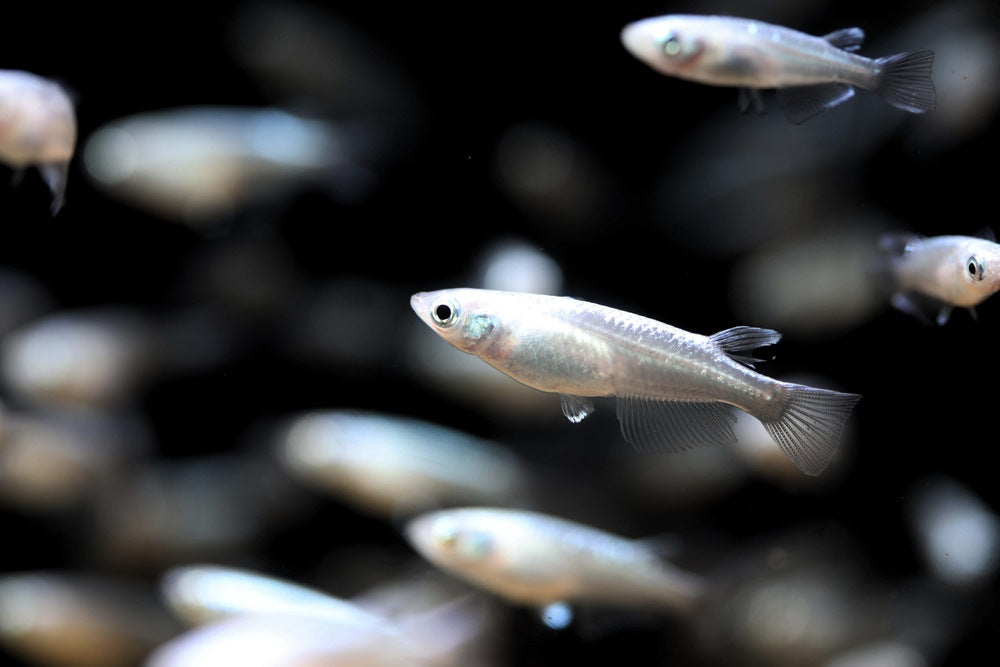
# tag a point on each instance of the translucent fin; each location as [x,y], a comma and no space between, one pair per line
[747,97]
[652,425]
[906,83]
[926,309]
[800,103]
[972,311]
[55,175]
[848,39]
[576,408]
[809,429]
[897,243]
[742,339]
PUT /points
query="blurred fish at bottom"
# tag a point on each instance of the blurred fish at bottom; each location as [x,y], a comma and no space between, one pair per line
[929,276]
[253,619]
[37,128]
[392,465]
[546,562]
[201,165]
[57,619]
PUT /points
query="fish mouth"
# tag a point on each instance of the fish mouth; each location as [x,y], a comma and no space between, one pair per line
[421,305]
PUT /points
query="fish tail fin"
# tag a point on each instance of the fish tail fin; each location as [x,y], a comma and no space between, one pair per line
[905,81]
[810,424]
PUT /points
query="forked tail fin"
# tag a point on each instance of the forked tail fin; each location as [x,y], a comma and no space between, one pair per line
[808,430]
[905,81]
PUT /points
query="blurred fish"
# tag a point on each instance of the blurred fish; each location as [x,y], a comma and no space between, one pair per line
[37,128]
[930,276]
[672,386]
[517,266]
[391,465]
[812,74]
[78,359]
[198,165]
[201,594]
[23,298]
[957,532]
[72,620]
[540,560]
[56,461]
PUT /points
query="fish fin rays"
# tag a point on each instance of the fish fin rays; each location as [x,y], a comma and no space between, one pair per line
[800,103]
[576,408]
[736,340]
[747,97]
[905,81]
[55,175]
[926,309]
[652,425]
[847,39]
[809,428]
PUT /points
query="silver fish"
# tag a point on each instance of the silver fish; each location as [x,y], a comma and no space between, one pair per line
[672,386]
[540,560]
[930,276]
[812,74]
[37,128]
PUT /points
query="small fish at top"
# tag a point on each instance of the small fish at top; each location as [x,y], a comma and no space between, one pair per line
[37,129]
[928,277]
[672,387]
[811,74]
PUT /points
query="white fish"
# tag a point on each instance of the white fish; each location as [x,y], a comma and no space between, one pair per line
[37,128]
[540,560]
[386,463]
[672,386]
[199,164]
[930,276]
[812,74]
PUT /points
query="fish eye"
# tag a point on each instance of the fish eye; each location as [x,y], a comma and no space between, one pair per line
[974,265]
[445,312]
[671,44]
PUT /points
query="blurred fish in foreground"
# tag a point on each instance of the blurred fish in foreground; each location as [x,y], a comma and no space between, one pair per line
[540,560]
[395,466]
[201,165]
[61,619]
[957,532]
[672,388]
[37,129]
[812,74]
[928,277]
[253,619]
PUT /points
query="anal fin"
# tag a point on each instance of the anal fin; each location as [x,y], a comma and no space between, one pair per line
[800,103]
[653,425]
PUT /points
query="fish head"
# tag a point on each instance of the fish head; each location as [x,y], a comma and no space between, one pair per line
[454,541]
[665,43]
[979,271]
[458,316]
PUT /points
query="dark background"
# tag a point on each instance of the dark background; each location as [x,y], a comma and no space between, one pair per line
[929,393]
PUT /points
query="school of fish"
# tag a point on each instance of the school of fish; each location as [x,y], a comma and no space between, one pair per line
[356,523]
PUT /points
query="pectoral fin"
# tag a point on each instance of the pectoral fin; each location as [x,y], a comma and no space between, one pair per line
[750,96]
[55,175]
[800,103]
[576,408]
[924,308]
[671,426]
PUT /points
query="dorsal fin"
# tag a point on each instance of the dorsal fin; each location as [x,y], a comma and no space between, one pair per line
[896,243]
[848,39]
[736,340]
[987,234]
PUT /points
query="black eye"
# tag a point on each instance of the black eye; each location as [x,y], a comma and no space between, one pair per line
[975,267]
[445,313]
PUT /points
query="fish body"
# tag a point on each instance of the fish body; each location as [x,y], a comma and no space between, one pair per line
[811,73]
[538,560]
[930,276]
[672,386]
[37,128]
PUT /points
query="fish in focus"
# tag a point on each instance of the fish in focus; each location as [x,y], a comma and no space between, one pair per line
[929,277]
[541,560]
[37,129]
[811,74]
[672,387]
